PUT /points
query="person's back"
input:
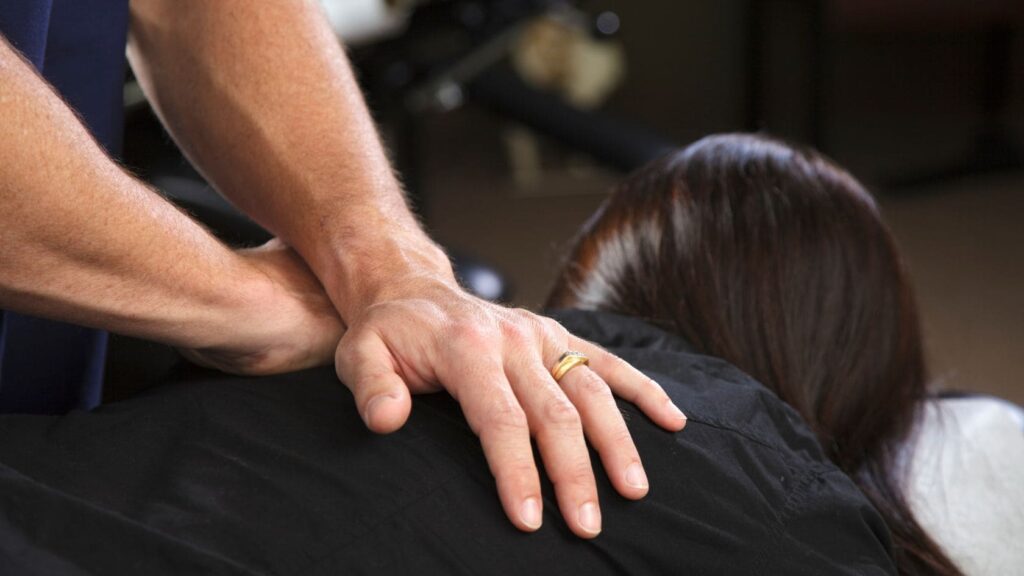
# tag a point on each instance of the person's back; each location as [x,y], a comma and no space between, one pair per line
[279,476]
[776,259]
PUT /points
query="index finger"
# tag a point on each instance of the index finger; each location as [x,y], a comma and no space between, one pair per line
[632,385]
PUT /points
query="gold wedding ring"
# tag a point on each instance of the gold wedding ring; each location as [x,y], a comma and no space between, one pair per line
[568,361]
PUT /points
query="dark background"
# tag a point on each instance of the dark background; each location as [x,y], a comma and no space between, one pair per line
[903,109]
[923,100]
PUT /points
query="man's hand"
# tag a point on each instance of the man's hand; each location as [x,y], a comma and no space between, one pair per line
[260,97]
[495,362]
[292,326]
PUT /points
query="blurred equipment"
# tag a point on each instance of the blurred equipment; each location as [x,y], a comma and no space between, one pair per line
[415,58]
[544,64]
[359,22]
[557,52]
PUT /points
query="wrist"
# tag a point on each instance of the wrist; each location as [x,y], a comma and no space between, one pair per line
[235,311]
[276,318]
[361,271]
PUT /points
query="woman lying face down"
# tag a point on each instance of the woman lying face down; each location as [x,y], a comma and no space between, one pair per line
[775,259]
[737,252]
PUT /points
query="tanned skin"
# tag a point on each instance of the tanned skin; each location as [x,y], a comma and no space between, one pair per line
[261,98]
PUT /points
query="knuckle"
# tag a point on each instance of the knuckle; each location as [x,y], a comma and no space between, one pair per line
[506,415]
[554,333]
[560,412]
[517,335]
[519,476]
[622,438]
[579,475]
[470,335]
[591,384]
[520,469]
[553,327]
[617,366]
[655,390]
[525,315]
[528,320]
[541,326]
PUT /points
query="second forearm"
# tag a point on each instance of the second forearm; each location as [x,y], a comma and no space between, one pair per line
[261,98]
[82,241]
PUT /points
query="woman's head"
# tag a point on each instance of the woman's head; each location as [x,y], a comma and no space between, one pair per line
[775,259]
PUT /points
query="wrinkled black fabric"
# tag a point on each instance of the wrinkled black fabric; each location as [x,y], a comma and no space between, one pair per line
[279,476]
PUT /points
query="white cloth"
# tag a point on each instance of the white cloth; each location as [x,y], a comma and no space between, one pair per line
[966,482]
[363,21]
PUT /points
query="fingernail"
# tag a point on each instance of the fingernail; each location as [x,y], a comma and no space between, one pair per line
[529,513]
[590,518]
[635,476]
[676,411]
[376,402]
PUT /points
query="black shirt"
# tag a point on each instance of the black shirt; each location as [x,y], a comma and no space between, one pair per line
[279,476]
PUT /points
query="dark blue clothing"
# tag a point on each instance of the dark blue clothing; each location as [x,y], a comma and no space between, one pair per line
[78,46]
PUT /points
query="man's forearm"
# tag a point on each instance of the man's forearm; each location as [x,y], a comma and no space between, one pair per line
[82,241]
[261,98]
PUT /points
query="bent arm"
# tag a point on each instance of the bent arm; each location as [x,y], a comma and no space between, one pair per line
[261,99]
[84,242]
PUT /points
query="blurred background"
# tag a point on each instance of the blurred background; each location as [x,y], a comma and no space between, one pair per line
[509,121]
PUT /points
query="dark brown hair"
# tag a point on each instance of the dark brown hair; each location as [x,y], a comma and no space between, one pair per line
[777,260]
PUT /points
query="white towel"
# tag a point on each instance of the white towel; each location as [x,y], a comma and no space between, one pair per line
[966,482]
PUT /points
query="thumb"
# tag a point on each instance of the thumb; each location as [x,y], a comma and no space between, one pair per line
[365,365]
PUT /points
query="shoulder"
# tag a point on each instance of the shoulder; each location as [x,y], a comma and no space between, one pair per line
[710,390]
[746,465]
